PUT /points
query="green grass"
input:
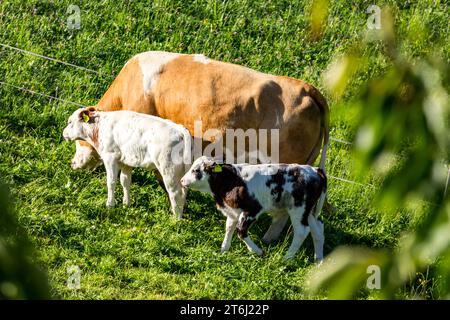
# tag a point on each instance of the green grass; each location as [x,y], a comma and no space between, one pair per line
[141,252]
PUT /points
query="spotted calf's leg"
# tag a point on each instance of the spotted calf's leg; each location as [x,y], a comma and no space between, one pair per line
[125,181]
[279,220]
[244,223]
[300,231]
[229,231]
[318,236]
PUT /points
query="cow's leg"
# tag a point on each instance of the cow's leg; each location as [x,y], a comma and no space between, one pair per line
[318,236]
[112,171]
[244,223]
[125,181]
[279,220]
[160,180]
[229,231]
[177,195]
[300,231]
[252,246]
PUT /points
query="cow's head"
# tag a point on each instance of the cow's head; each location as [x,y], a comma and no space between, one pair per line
[78,128]
[198,175]
[85,156]
[78,124]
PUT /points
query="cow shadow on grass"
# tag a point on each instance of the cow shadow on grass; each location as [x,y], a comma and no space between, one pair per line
[335,236]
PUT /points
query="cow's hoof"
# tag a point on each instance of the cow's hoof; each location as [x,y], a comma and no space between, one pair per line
[259,252]
[288,257]
[267,240]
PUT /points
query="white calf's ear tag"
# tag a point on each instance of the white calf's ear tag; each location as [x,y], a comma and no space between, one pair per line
[85,117]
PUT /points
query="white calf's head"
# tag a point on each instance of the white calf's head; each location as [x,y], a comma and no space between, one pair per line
[85,156]
[77,124]
[197,176]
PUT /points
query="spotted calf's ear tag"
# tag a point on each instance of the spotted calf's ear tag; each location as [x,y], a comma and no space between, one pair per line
[85,117]
[217,168]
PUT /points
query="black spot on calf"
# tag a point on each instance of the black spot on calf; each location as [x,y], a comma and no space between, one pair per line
[278,181]
[306,190]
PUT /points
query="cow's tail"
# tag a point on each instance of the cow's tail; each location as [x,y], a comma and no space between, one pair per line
[324,138]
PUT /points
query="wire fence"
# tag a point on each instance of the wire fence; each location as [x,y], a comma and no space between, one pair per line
[6,46]
[40,94]
[50,97]
[53,59]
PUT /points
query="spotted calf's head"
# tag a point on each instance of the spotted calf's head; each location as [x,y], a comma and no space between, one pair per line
[197,177]
[78,123]
[244,223]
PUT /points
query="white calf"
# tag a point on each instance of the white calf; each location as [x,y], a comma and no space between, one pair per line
[126,139]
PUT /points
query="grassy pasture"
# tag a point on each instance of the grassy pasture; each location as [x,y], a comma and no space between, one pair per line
[141,252]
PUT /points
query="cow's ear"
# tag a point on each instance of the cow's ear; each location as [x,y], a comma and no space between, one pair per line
[85,115]
[217,168]
[91,109]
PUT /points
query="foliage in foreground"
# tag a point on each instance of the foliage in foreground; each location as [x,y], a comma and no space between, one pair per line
[406,110]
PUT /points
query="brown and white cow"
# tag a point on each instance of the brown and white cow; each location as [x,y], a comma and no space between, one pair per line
[187,88]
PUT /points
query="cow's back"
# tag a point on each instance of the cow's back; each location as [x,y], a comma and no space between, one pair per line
[189,88]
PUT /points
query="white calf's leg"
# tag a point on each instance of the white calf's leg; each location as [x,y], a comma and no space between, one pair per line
[279,220]
[172,175]
[177,197]
[177,200]
[229,230]
[318,236]
[112,170]
[300,231]
[125,181]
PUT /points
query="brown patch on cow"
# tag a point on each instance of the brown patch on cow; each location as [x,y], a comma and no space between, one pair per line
[94,136]
[90,113]
[87,112]
[126,92]
[84,143]
[228,188]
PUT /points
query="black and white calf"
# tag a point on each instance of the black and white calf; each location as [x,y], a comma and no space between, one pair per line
[242,192]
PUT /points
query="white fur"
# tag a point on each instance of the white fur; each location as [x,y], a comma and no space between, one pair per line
[128,139]
[151,64]
[201,58]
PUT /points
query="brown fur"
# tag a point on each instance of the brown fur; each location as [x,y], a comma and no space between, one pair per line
[89,112]
[228,188]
